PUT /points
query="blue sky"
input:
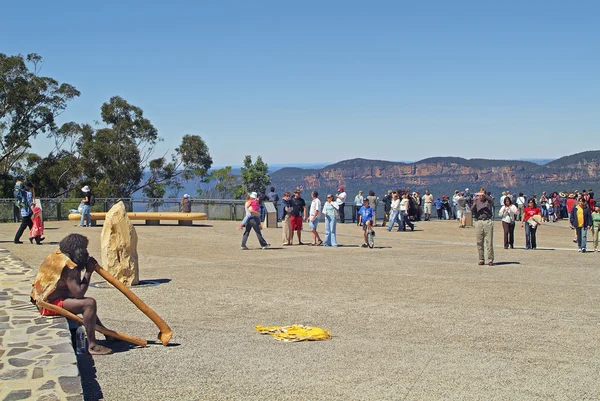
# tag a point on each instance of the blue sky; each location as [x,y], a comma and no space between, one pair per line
[323,81]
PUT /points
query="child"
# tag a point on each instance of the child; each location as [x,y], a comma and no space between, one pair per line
[596,225]
[254,207]
[365,218]
[37,230]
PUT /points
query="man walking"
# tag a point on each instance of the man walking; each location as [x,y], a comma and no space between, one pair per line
[25,203]
[581,220]
[484,226]
[427,201]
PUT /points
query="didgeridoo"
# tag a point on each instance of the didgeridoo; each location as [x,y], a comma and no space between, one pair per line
[165,333]
[101,329]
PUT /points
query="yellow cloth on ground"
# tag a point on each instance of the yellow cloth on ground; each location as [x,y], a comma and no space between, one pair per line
[295,333]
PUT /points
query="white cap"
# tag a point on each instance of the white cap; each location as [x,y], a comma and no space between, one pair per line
[253,195]
[466,189]
[186,196]
[85,189]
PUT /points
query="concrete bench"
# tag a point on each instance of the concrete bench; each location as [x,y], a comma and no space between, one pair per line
[151,218]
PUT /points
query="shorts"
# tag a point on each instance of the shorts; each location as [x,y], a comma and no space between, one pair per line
[364,225]
[295,223]
[313,224]
[460,213]
[47,312]
[427,207]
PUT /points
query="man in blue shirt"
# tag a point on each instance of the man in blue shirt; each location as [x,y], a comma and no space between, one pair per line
[24,201]
[365,218]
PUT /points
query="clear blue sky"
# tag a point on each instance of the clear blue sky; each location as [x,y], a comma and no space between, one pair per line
[393,80]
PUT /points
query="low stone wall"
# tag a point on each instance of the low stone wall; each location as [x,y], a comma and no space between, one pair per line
[37,360]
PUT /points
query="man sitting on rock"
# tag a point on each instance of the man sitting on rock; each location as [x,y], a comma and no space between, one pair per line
[59,282]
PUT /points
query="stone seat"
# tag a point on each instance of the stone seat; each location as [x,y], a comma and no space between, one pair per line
[151,218]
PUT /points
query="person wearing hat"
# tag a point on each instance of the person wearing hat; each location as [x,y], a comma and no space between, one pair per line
[341,201]
[484,226]
[24,200]
[571,202]
[186,204]
[86,207]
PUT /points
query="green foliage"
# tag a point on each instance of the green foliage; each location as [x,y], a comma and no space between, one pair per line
[255,176]
[225,183]
[29,105]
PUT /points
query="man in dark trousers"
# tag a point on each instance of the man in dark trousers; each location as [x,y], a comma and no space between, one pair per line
[25,203]
[387,207]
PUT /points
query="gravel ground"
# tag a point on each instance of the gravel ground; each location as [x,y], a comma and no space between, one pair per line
[416,318]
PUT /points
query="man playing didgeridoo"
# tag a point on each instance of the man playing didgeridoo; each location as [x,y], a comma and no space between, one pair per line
[59,282]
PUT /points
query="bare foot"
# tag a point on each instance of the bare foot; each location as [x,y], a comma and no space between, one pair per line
[97,349]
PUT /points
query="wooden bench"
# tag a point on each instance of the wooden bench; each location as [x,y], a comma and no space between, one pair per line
[151,218]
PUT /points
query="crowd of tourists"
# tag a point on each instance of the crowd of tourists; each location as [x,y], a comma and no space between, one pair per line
[401,208]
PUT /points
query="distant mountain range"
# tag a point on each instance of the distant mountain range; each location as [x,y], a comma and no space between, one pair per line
[442,175]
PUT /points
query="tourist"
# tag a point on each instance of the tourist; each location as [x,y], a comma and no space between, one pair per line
[509,213]
[251,205]
[416,198]
[427,201]
[358,202]
[581,219]
[262,198]
[596,225]
[520,205]
[373,200]
[274,198]
[37,230]
[438,208]
[530,226]
[446,210]
[395,216]
[341,201]
[484,226]
[404,210]
[59,283]
[25,203]
[313,218]
[329,211]
[387,207]
[185,206]
[253,223]
[455,204]
[297,215]
[366,217]
[86,207]
[461,210]
[571,202]
[544,207]
[469,197]
[286,210]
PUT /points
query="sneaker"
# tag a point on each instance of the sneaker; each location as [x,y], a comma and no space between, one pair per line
[583,250]
[266,246]
[364,245]
[491,263]
[18,242]
[244,248]
[579,250]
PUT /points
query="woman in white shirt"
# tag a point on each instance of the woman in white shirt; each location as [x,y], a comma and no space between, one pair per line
[395,217]
[509,213]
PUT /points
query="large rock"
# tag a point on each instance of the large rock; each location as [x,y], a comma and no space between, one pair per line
[119,246]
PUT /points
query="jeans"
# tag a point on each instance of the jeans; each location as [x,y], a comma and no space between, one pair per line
[530,242]
[330,231]
[393,219]
[509,234]
[85,211]
[405,221]
[253,224]
[581,237]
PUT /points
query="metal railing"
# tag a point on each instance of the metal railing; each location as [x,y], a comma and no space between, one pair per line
[215,209]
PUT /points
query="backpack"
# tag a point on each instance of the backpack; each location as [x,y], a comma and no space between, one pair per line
[20,199]
[92,200]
